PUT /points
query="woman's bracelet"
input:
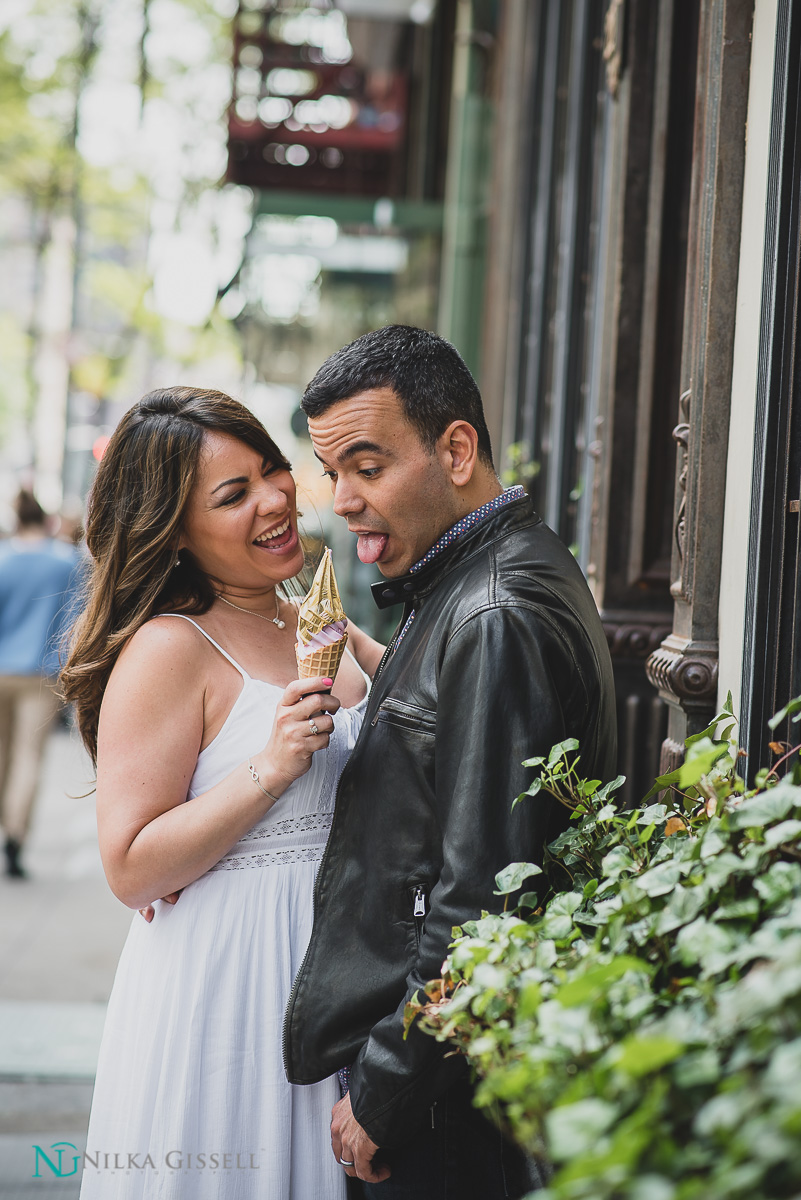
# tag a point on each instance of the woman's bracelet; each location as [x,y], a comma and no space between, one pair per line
[254,775]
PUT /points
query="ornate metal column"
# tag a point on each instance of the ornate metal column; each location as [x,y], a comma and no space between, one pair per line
[685,667]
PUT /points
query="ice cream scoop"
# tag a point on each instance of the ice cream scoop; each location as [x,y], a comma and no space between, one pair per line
[322,625]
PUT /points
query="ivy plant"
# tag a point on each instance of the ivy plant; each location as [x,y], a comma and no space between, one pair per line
[639,1034]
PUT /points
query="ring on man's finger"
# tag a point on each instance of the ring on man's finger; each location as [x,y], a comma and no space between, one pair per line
[343,1162]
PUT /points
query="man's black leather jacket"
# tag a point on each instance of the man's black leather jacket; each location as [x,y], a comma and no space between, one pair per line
[505,656]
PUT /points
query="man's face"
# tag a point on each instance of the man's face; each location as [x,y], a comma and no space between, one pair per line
[395,495]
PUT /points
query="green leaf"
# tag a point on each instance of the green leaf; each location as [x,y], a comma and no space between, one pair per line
[596,979]
[789,710]
[614,785]
[534,788]
[545,954]
[653,813]
[698,1068]
[718,871]
[783,833]
[662,782]
[557,925]
[766,808]
[566,902]
[704,943]
[783,879]
[640,1054]
[660,879]
[738,910]
[574,1129]
[726,713]
[683,906]
[561,749]
[616,861]
[701,757]
[514,876]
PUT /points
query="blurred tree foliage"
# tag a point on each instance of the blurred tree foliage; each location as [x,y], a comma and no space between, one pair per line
[77,258]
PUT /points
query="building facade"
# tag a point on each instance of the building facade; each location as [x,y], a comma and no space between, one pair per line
[614,190]
[639,333]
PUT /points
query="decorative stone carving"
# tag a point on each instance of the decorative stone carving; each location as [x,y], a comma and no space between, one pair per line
[613,44]
[681,436]
[671,757]
[685,672]
[634,639]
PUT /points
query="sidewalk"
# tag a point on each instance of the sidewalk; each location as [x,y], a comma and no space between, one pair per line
[61,932]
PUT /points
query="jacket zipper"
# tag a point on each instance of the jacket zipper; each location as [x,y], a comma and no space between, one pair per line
[391,644]
[419,912]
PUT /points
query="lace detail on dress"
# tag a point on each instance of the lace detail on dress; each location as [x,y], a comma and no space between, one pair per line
[306,823]
[270,858]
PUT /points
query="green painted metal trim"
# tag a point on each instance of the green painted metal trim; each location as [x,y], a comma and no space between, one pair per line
[467,186]
[423,216]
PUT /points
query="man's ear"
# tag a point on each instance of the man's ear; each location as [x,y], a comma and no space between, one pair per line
[458,450]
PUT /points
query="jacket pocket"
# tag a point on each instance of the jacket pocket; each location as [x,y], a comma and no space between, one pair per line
[405,716]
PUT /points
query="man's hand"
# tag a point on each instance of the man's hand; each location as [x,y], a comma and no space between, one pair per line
[351,1145]
[150,912]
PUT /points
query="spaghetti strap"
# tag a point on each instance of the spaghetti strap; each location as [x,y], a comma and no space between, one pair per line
[363,674]
[209,638]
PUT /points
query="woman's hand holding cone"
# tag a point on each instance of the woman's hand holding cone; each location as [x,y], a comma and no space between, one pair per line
[292,743]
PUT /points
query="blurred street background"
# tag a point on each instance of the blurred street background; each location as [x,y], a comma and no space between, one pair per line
[61,932]
[197,192]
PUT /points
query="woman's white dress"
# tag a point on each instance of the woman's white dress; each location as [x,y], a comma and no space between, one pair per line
[190,1079]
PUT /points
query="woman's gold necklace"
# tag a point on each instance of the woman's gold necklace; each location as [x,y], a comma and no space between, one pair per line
[276,620]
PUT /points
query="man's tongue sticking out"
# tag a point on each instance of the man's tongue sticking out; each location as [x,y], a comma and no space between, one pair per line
[370,546]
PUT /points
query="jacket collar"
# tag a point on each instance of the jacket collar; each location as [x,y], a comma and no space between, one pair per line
[413,586]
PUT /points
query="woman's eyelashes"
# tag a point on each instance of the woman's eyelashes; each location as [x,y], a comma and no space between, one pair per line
[232,499]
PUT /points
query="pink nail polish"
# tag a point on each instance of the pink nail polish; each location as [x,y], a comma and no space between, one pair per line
[330,682]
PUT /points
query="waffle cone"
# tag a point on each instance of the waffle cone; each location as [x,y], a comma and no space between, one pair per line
[324,661]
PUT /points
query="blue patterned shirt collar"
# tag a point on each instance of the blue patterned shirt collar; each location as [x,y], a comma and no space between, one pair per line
[454,533]
[467,523]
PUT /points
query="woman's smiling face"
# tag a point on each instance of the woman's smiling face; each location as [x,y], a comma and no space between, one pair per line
[241,520]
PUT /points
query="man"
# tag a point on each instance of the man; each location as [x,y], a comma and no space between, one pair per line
[38,580]
[499,654]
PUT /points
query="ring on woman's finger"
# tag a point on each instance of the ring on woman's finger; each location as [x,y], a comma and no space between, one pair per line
[312,726]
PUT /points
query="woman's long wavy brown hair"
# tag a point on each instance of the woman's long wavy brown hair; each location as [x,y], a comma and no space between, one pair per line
[134,521]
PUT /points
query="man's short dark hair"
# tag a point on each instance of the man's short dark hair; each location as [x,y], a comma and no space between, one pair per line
[426,373]
[28,510]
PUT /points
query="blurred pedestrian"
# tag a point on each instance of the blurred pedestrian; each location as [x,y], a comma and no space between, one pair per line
[37,582]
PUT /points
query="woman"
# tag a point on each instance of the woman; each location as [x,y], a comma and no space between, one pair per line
[183,675]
